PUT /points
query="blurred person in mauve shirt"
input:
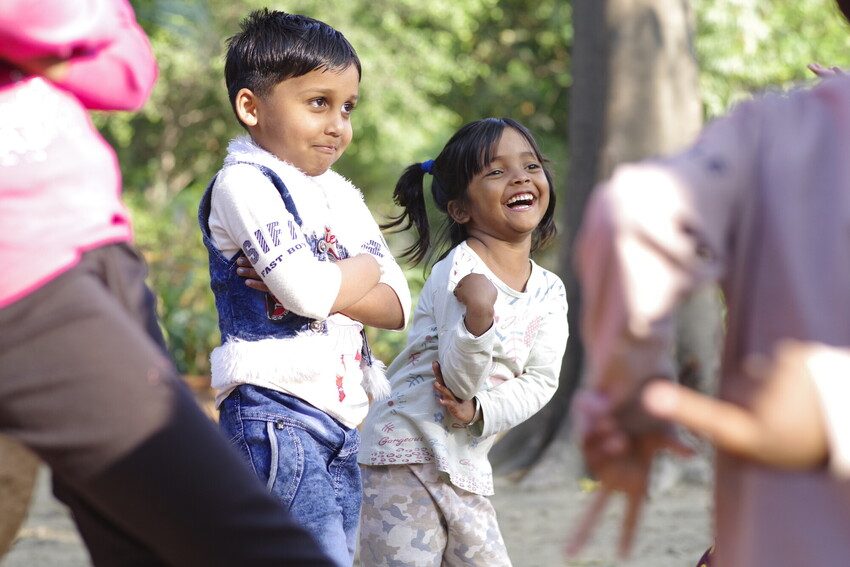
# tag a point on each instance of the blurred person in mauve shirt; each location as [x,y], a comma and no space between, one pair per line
[760,204]
[85,379]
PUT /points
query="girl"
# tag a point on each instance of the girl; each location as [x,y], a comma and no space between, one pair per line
[483,354]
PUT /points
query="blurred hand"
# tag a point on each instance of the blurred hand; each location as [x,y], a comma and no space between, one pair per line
[824,72]
[462,410]
[478,294]
[252,279]
[620,461]
[780,424]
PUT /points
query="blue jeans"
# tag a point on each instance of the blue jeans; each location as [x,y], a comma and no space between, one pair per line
[307,459]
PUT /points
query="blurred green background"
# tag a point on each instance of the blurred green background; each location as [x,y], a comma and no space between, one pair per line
[428,67]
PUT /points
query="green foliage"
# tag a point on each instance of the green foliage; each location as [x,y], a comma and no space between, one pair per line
[745,46]
[428,68]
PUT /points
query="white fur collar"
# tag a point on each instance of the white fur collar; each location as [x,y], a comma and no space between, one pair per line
[322,200]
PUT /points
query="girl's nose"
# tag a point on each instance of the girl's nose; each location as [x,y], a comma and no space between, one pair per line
[521,177]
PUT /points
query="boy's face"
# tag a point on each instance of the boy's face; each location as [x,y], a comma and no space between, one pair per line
[305,120]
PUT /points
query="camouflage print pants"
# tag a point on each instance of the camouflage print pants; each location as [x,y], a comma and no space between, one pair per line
[411,517]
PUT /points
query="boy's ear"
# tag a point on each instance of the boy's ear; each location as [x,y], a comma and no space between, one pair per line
[246,107]
[457,211]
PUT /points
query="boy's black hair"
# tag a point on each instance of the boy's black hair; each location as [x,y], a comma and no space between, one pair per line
[274,46]
[464,156]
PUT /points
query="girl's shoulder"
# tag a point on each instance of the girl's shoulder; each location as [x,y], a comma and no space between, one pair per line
[547,286]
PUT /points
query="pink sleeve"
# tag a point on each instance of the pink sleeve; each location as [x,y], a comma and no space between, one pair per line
[38,28]
[111,65]
[119,75]
[651,235]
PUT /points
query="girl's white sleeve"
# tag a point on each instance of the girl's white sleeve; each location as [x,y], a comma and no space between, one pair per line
[829,368]
[465,359]
[248,214]
[515,400]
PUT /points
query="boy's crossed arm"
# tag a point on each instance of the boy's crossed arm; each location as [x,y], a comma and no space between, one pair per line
[378,307]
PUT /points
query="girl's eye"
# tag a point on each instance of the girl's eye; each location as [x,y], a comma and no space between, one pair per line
[318,102]
[533,166]
[348,107]
[493,172]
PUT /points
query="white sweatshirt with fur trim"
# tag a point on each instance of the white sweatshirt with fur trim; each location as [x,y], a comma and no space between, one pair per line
[248,214]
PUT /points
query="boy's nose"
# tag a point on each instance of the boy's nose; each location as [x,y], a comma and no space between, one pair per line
[335,126]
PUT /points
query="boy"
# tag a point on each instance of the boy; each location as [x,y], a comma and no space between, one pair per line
[294,374]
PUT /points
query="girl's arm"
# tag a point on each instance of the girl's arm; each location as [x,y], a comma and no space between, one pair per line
[466,331]
[515,400]
[94,50]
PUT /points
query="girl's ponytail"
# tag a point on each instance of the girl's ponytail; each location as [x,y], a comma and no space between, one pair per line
[409,194]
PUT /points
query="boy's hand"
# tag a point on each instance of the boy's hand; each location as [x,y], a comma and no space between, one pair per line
[479,295]
[247,271]
[462,410]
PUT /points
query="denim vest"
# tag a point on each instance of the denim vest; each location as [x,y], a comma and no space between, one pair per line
[249,314]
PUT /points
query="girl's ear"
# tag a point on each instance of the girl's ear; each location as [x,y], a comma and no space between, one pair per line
[246,107]
[457,211]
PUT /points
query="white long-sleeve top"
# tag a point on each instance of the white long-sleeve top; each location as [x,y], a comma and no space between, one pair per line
[247,214]
[512,369]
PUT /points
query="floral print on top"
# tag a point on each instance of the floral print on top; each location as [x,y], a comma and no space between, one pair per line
[513,369]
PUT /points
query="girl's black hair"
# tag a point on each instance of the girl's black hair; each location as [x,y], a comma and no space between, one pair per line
[465,155]
[274,46]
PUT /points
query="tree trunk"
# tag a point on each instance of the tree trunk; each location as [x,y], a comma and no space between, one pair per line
[635,94]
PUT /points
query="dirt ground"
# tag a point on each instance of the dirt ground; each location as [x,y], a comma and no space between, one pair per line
[535,515]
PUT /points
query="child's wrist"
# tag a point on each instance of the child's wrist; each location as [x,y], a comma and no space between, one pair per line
[478,320]
[476,415]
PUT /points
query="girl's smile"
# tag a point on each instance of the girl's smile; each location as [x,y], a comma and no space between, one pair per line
[521,201]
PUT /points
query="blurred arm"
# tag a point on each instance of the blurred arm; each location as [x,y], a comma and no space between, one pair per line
[93,49]
[650,236]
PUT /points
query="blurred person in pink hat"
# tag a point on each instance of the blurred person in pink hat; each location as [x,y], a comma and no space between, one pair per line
[85,379]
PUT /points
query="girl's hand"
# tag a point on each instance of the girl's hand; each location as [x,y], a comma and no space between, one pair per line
[479,295]
[462,410]
[247,271]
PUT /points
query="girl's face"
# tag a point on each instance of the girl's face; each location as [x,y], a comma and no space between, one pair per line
[509,197]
